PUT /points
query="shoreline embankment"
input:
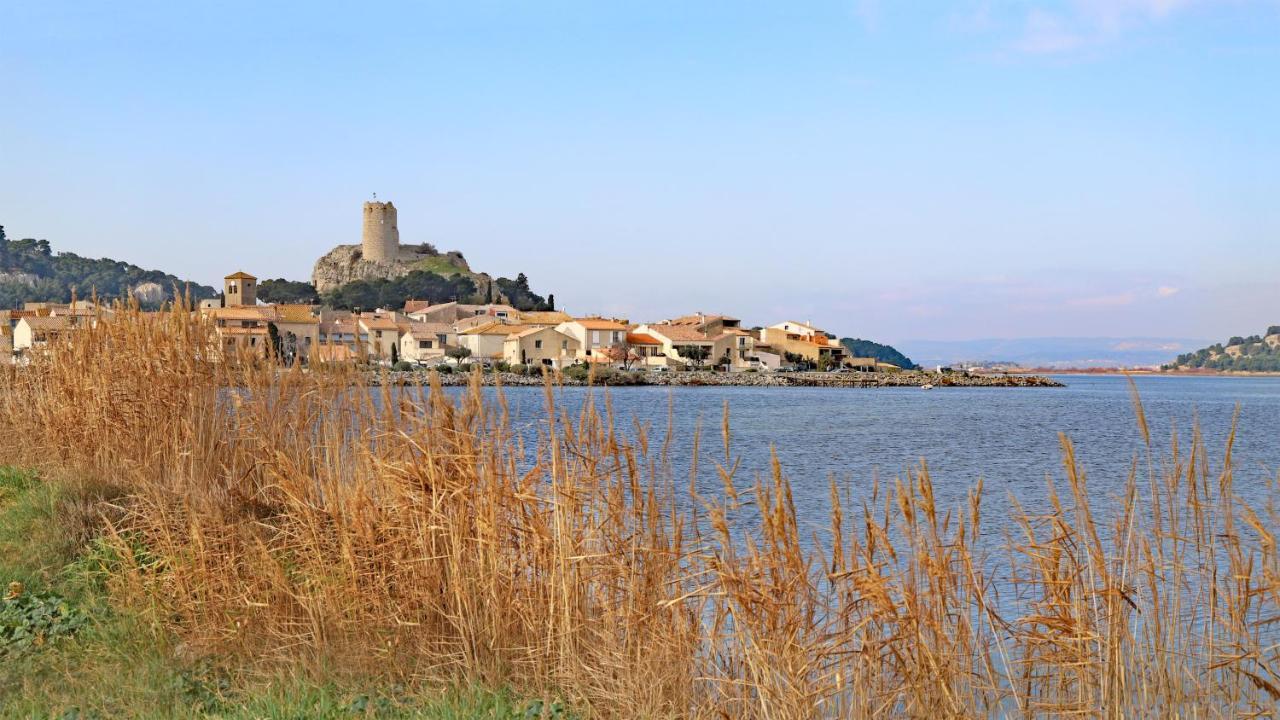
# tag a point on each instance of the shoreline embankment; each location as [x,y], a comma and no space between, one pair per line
[706,378]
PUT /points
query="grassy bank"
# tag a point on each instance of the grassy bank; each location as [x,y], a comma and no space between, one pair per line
[69,650]
[294,533]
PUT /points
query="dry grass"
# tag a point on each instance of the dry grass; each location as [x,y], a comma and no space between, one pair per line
[303,519]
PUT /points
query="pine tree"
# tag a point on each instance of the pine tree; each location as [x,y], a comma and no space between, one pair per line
[551,302]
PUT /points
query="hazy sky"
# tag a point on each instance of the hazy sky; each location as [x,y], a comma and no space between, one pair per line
[885,169]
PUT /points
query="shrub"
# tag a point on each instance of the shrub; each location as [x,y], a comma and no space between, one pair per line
[402,366]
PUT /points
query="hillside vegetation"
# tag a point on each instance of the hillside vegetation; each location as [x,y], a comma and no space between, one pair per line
[31,272]
[884,353]
[1256,353]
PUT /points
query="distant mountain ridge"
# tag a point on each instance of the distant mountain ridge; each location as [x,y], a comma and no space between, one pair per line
[1052,352]
[1256,353]
[31,272]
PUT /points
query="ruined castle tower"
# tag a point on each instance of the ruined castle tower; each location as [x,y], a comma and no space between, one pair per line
[380,240]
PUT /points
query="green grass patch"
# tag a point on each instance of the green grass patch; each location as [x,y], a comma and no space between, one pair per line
[439,265]
[67,652]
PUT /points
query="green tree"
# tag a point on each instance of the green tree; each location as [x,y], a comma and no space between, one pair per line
[458,353]
[693,353]
[280,290]
[551,302]
[273,335]
[858,347]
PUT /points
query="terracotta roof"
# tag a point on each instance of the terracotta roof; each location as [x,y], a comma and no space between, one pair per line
[48,323]
[467,323]
[296,314]
[243,312]
[338,326]
[682,333]
[544,317]
[416,305]
[494,328]
[240,275]
[430,328]
[540,329]
[698,319]
[595,323]
[642,339]
[379,323]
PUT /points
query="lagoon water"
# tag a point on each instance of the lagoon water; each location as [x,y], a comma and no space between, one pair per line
[1006,436]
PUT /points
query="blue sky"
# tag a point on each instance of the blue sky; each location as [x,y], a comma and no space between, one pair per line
[887,170]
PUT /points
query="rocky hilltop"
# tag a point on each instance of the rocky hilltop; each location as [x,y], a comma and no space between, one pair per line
[346,263]
[1256,353]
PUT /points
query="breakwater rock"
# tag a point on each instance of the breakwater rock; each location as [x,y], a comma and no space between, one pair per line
[702,378]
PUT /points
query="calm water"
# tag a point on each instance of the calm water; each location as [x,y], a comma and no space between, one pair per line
[1007,436]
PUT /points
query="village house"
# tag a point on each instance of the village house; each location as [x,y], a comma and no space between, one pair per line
[805,340]
[452,312]
[700,339]
[540,345]
[34,333]
[382,333]
[487,341]
[242,324]
[645,350]
[427,342]
[597,337]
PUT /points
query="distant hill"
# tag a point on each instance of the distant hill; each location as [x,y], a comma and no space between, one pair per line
[884,353]
[1052,352]
[1256,353]
[31,272]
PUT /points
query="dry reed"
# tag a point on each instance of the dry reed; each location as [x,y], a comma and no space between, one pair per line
[294,516]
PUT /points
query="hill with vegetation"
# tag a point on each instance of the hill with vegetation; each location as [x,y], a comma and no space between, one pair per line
[370,293]
[883,353]
[30,271]
[1256,353]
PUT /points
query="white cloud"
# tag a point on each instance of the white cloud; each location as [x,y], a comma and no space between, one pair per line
[868,13]
[1047,33]
[1165,291]
[1084,23]
[1117,300]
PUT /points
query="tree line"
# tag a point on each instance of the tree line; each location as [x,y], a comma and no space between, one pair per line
[30,271]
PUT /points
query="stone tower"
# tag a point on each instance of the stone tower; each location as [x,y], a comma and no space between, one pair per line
[240,289]
[380,240]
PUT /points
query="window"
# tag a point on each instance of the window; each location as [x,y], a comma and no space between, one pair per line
[595,337]
[424,344]
[564,344]
[615,336]
[377,334]
[537,344]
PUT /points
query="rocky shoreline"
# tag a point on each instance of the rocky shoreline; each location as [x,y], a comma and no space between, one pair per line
[701,378]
